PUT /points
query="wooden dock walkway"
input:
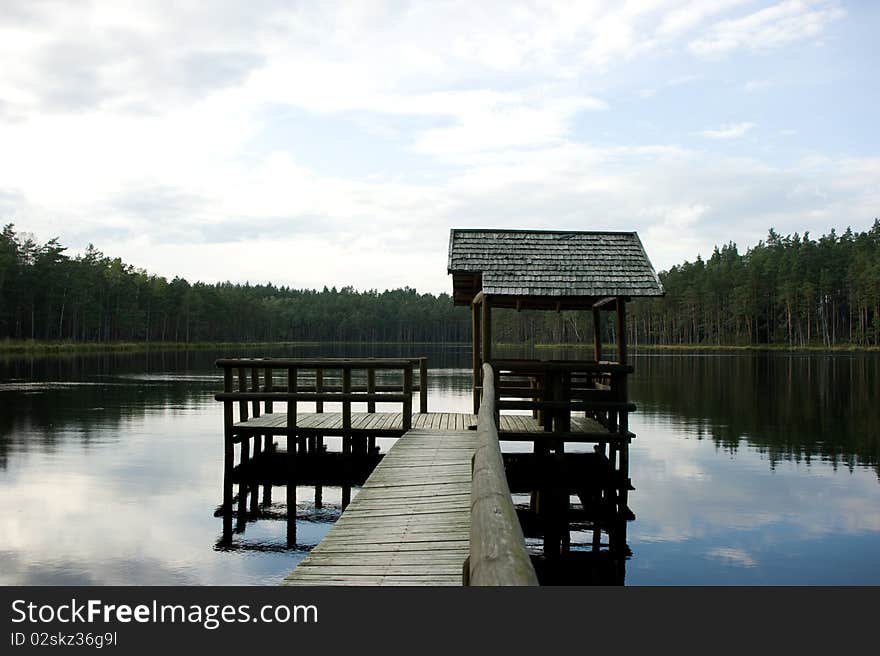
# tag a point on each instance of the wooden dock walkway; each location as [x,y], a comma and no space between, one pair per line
[409,524]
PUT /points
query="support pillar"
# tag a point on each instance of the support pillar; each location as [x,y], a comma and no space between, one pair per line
[475,357]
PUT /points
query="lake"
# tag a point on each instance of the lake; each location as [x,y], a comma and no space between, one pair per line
[759,468]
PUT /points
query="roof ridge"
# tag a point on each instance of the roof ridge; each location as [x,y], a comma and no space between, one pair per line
[545,232]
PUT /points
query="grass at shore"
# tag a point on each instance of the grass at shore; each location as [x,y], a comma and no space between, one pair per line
[40,347]
[43,347]
[706,348]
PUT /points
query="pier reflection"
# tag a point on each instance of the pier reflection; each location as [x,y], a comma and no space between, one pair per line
[590,527]
[327,477]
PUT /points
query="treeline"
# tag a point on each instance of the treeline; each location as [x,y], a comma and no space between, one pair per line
[47,295]
[790,290]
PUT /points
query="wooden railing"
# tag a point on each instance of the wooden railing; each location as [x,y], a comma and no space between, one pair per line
[255,385]
[573,401]
[258,383]
[498,553]
[553,390]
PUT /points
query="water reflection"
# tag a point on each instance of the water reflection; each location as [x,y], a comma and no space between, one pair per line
[789,407]
[748,468]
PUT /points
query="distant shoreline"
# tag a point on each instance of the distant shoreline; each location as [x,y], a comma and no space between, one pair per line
[39,347]
[705,348]
[11,346]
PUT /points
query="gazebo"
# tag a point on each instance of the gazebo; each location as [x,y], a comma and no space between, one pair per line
[547,270]
[592,272]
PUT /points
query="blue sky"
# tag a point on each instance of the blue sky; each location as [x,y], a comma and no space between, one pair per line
[332,143]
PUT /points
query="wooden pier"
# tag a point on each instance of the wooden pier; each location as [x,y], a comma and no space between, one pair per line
[437,508]
[430,511]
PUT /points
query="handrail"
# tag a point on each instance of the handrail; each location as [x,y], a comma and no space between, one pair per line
[498,553]
[343,365]
[556,389]
[324,363]
[562,365]
[353,397]
[256,384]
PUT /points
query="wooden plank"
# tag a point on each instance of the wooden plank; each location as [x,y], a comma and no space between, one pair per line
[410,524]
[401,547]
[448,423]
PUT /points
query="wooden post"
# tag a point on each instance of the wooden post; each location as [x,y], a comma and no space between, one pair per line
[319,387]
[291,496]
[621,331]
[255,387]
[346,406]
[371,389]
[622,469]
[255,493]
[242,387]
[346,426]
[371,405]
[291,458]
[228,442]
[597,335]
[563,423]
[258,439]
[241,519]
[318,438]
[487,330]
[423,385]
[407,397]
[291,406]
[496,387]
[477,363]
[267,376]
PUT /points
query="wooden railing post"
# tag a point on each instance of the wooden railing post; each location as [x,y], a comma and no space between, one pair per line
[407,397]
[267,374]
[291,403]
[371,405]
[423,385]
[291,458]
[255,387]
[346,404]
[228,442]
[371,389]
[242,387]
[346,429]
[476,355]
[319,387]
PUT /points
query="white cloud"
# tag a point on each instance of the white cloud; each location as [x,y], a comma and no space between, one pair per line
[732,556]
[728,131]
[768,28]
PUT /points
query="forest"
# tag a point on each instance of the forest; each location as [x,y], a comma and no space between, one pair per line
[786,290]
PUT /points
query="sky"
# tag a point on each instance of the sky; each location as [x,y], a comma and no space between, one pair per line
[330,143]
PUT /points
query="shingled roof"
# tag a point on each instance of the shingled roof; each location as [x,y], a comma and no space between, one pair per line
[538,263]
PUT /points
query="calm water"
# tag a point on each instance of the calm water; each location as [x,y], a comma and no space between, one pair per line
[749,469]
